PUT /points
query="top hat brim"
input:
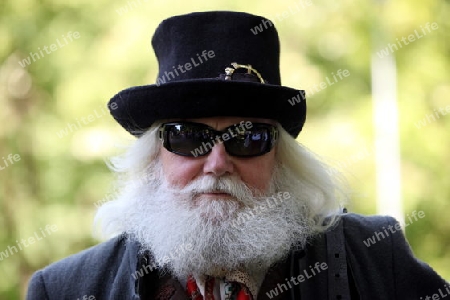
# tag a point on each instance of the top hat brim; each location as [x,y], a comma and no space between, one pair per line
[137,108]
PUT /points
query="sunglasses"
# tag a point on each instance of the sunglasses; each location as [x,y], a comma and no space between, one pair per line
[197,139]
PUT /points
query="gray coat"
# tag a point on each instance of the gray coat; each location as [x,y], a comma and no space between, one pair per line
[340,264]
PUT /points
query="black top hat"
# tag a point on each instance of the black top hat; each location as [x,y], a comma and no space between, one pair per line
[212,64]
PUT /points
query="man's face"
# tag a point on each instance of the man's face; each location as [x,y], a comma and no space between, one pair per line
[255,172]
[222,206]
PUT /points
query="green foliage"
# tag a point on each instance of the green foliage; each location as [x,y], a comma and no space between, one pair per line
[59,179]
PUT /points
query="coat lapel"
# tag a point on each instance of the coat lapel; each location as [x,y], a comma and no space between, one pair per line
[275,277]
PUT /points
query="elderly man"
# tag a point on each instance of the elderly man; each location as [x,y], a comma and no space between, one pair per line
[217,200]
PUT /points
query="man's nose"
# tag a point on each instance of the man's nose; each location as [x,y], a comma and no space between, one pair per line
[218,162]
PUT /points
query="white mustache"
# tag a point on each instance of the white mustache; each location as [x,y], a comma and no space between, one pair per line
[209,184]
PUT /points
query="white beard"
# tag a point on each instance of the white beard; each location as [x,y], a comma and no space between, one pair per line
[190,234]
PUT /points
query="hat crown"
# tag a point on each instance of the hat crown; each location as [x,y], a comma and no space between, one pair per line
[213,64]
[201,45]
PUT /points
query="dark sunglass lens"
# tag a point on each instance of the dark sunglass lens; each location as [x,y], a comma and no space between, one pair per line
[183,139]
[255,141]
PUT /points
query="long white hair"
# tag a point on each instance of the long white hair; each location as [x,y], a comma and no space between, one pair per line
[319,186]
[251,232]
[321,190]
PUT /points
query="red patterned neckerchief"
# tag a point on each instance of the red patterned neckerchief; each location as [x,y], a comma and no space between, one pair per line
[233,290]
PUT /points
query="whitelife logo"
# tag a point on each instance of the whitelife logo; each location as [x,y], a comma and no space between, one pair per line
[49,229]
[292,10]
[340,75]
[49,49]
[149,267]
[86,297]
[411,38]
[222,138]
[11,158]
[169,75]
[71,127]
[443,111]
[442,294]
[380,235]
[313,271]
[253,212]
[130,6]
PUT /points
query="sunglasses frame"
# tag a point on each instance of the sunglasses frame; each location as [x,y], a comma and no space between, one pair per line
[164,130]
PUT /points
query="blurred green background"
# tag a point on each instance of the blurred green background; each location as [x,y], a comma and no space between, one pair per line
[60,175]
